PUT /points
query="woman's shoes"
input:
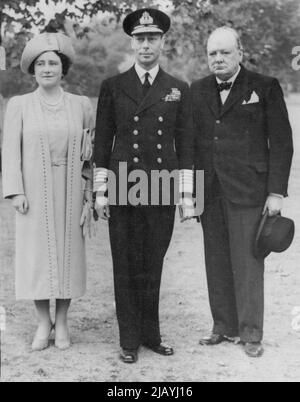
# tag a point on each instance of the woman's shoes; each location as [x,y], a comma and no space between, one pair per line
[41,344]
[63,343]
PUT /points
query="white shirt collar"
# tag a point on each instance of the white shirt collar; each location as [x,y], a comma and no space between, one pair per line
[232,79]
[141,72]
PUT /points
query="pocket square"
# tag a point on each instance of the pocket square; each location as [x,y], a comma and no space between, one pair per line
[254,99]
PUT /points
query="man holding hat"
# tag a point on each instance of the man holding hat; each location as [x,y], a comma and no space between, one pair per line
[244,145]
[144,122]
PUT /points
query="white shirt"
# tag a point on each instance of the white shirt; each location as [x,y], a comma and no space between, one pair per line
[141,72]
[224,94]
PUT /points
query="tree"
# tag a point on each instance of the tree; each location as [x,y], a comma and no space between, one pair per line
[18,17]
[26,12]
[269,30]
[99,54]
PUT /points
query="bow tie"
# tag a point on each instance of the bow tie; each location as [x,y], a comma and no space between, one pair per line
[224,86]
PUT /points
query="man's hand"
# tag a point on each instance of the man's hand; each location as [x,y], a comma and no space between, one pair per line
[186,209]
[274,205]
[102,207]
[20,203]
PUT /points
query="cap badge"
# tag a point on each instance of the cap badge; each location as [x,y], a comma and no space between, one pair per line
[146,19]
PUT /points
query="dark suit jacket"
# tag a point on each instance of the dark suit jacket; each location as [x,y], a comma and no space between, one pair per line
[159,122]
[248,146]
[147,133]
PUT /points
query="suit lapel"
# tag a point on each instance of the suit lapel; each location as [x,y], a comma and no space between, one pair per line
[213,97]
[238,91]
[132,86]
[157,91]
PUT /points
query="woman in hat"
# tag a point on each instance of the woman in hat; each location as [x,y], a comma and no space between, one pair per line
[47,175]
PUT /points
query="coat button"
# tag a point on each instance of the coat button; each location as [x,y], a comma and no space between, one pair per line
[218,121]
[161,119]
[136,118]
[136,146]
[136,160]
[159,146]
[136,132]
[159,160]
[160,132]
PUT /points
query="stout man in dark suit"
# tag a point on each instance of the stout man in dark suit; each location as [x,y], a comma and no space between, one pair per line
[144,122]
[244,145]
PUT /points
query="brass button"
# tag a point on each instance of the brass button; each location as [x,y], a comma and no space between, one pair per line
[136,118]
[159,146]
[136,132]
[159,160]
[136,146]
[161,119]
[160,132]
[136,160]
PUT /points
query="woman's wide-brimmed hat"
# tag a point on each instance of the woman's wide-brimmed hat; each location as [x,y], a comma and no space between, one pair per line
[275,234]
[46,42]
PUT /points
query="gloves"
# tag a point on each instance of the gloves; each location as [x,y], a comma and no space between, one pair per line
[86,220]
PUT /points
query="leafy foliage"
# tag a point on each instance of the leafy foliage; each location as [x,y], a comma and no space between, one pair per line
[25,12]
[269,30]
[99,54]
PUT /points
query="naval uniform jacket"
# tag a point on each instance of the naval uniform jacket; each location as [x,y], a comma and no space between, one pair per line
[247,142]
[148,133]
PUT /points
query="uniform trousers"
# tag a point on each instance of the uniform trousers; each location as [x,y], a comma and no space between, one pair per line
[235,277]
[140,238]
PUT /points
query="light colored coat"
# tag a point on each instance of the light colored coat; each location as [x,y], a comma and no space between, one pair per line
[26,167]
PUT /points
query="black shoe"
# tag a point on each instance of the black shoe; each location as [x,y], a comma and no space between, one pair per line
[214,339]
[254,349]
[161,349]
[129,356]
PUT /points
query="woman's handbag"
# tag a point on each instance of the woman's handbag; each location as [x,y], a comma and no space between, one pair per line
[86,220]
[87,145]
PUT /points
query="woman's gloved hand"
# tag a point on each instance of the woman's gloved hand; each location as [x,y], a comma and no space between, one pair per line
[86,220]
[20,203]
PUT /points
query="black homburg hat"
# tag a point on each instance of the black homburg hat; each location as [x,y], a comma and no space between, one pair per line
[275,234]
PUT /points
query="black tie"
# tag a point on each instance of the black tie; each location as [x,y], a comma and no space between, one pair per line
[146,85]
[224,86]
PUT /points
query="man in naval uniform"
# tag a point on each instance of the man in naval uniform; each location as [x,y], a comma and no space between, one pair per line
[144,121]
[244,145]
